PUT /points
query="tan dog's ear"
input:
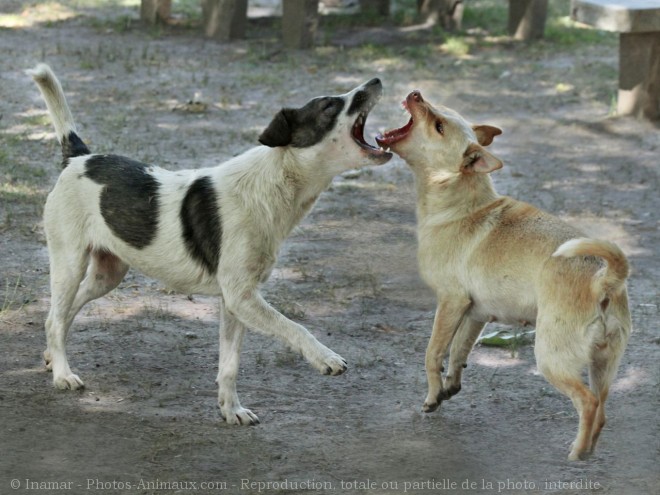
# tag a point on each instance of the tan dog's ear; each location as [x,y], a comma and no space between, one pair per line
[478,160]
[486,133]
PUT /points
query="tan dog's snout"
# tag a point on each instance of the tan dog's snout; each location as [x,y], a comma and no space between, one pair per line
[415,96]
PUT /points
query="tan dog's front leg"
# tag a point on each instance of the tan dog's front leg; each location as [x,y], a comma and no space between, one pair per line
[448,317]
[461,345]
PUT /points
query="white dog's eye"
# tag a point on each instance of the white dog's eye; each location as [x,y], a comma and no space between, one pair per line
[439,127]
[328,105]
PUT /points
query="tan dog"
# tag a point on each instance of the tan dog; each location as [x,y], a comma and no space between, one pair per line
[492,258]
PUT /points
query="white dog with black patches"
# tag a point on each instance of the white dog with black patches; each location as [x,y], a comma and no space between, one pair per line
[213,231]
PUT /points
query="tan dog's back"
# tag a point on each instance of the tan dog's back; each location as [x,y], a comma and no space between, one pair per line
[510,259]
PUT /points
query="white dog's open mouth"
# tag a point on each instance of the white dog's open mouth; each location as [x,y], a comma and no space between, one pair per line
[357,132]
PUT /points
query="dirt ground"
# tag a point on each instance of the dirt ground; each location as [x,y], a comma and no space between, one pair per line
[147,421]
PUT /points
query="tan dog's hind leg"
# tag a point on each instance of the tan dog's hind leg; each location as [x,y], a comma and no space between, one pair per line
[565,376]
[587,405]
[448,318]
[601,374]
[563,349]
[599,423]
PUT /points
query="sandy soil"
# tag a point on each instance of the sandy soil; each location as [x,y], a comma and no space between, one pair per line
[148,413]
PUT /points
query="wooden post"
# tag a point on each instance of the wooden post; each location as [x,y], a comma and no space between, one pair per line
[224,20]
[638,25]
[447,13]
[527,18]
[155,11]
[639,75]
[299,22]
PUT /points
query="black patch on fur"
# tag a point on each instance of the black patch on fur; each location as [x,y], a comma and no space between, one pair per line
[201,225]
[73,146]
[305,126]
[278,132]
[360,101]
[130,198]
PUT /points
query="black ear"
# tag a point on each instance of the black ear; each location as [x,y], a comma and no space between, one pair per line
[278,132]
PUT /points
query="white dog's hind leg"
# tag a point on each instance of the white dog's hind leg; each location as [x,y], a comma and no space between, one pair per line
[104,273]
[67,269]
[231,339]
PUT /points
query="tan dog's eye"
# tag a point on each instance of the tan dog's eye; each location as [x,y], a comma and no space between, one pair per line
[439,127]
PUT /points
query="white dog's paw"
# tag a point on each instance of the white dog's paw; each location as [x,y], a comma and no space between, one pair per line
[329,362]
[48,359]
[68,382]
[239,416]
[335,365]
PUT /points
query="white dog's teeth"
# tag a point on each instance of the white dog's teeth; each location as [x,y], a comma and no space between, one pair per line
[389,149]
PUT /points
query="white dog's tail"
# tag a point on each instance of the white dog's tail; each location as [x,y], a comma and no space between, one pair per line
[611,278]
[65,127]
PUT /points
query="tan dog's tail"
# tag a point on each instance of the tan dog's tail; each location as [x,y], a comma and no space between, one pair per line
[610,279]
[60,115]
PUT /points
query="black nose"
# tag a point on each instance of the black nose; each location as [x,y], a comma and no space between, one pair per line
[417,96]
[374,82]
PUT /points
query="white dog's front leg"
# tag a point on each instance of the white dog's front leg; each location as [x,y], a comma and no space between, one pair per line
[231,338]
[254,312]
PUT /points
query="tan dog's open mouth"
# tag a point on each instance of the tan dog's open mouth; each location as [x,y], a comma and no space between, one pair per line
[392,137]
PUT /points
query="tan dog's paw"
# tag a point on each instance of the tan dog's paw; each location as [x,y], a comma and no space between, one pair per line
[450,391]
[579,455]
[430,407]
